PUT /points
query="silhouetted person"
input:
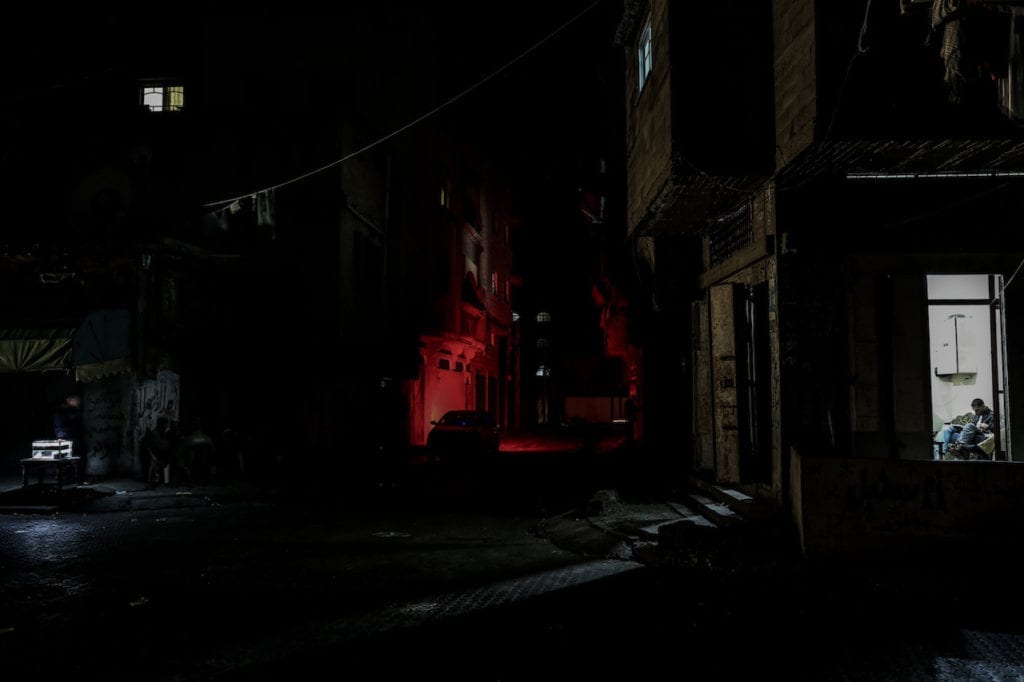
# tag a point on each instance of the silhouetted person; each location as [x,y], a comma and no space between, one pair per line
[232,457]
[158,445]
[68,425]
[198,453]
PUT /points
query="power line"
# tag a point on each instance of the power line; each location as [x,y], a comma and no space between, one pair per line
[1009,282]
[861,49]
[414,122]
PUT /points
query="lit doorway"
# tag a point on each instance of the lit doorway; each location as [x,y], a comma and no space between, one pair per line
[967,350]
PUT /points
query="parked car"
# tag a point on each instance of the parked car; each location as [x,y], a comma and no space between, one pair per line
[464,435]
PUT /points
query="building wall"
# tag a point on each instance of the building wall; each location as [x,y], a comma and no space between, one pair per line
[106,411]
[716,385]
[851,506]
[597,409]
[648,121]
[890,363]
[703,415]
[467,244]
[796,107]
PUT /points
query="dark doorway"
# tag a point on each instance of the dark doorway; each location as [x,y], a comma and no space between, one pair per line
[756,456]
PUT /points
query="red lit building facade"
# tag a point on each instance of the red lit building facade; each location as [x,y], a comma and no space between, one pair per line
[467,358]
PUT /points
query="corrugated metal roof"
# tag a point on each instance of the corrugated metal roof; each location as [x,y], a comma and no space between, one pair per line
[690,200]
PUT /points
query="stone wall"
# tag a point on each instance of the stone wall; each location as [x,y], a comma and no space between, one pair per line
[795,77]
[648,120]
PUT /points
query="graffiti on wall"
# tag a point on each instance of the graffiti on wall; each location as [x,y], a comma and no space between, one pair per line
[105,410]
[155,398]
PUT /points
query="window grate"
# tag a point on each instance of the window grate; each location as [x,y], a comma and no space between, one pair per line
[730,234]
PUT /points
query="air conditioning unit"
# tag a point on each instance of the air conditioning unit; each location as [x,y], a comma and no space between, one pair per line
[51,449]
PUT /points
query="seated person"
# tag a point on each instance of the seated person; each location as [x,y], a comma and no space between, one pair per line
[960,436]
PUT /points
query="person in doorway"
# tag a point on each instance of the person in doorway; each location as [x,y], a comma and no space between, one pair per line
[68,425]
[960,440]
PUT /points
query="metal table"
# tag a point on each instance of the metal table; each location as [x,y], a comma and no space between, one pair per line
[40,464]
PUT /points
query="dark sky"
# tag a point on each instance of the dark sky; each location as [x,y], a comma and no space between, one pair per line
[548,118]
[549,100]
[552,103]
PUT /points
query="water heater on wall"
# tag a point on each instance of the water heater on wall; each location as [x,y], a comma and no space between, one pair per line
[955,349]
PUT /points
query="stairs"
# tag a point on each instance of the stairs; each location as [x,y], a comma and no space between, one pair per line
[718,525]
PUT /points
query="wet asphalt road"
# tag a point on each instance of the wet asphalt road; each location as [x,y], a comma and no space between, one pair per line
[236,589]
[451,579]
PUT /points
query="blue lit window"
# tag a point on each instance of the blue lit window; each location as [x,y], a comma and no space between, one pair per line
[644,54]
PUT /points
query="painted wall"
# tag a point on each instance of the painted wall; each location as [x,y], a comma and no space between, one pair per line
[446,390]
[952,392]
[155,398]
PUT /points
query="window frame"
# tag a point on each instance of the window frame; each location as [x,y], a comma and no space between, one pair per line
[645,54]
[172,96]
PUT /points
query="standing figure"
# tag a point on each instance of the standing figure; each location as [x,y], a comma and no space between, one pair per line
[157,444]
[68,425]
[231,462]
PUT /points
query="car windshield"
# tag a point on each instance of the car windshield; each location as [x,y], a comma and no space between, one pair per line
[466,419]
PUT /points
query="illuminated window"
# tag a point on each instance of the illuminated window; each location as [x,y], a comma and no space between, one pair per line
[543,317]
[543,343]
[445,197]
[515,317]
[643,53]
[543,371]
[163,97]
